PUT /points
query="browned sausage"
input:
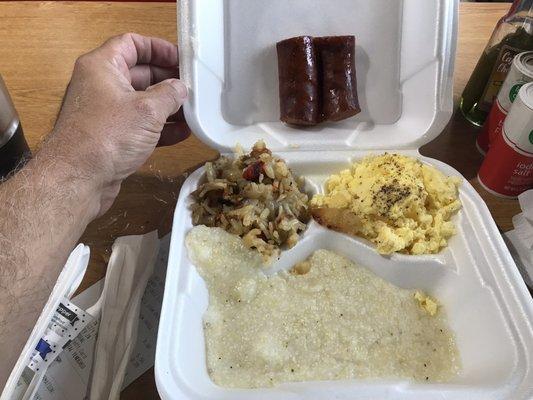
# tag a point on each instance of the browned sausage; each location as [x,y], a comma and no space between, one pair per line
[336,65]
[298,81]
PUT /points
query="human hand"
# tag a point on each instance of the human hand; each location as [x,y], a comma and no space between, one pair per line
[116,108]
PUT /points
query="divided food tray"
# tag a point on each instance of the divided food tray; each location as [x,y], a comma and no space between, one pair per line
[475,278]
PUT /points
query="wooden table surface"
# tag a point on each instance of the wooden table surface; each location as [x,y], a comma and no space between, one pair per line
[39,42]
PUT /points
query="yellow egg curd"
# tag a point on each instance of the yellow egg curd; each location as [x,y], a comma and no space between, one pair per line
[395,201]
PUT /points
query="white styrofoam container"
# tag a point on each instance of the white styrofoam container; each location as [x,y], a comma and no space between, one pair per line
[405,67]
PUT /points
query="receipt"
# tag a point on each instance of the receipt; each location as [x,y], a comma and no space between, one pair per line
[143,357]
[67,377]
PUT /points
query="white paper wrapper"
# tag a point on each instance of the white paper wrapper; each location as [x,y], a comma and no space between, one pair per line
[526,204]
[523,230]
[72,327]
[68,377]
[130,267]
[521,237]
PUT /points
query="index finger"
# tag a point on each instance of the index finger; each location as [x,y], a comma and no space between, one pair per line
[132,49]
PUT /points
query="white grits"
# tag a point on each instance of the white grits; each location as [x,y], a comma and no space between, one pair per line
[337,321]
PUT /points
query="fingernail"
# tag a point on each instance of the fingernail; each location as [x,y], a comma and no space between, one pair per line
[180,88]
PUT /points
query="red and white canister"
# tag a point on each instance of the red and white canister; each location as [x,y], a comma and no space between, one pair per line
[520,73]
[507,169]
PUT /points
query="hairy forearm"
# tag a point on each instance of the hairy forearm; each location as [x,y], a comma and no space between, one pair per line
[112,117]
[44,209]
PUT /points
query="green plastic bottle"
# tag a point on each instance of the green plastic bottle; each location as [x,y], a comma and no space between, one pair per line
[513,34]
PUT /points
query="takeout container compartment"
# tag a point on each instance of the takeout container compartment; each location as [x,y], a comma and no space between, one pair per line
[404,66]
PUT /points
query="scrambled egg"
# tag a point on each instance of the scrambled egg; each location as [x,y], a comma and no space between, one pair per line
[395,201]
[427,303]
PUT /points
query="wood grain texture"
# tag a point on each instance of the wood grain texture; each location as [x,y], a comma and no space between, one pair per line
[39,42]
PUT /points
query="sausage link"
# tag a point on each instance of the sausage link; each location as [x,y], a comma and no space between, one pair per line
[298,81]
[336,65]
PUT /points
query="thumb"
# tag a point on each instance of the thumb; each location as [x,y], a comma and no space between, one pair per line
[167,96]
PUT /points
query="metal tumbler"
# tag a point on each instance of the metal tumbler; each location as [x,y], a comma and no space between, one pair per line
[14,150]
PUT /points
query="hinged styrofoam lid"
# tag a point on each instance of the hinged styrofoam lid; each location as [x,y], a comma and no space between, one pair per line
[404,61]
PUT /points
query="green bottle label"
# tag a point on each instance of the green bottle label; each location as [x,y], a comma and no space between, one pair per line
[514,91]
[497,76]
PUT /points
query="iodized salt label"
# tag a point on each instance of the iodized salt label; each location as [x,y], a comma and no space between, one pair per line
[508,167]
[521,72]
